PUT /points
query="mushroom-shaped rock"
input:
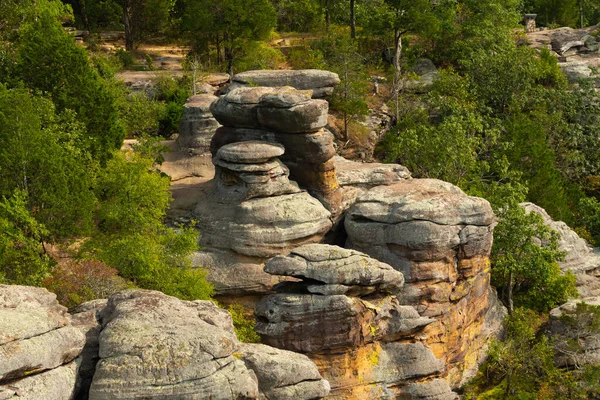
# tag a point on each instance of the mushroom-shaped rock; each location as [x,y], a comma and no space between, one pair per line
[327,265]
[238,107]
[319,81]
[251,152]
[197,123]
[309,116]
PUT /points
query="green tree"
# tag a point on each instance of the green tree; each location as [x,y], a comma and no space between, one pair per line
[49,60]
[298,15]
[228,24]
[524,262]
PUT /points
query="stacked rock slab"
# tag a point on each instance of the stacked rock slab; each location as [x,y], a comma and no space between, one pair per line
[252,213]
[344,315]
[197,125]
[440,239]
[154,346]
[38,346]
[320,82]
[291,118]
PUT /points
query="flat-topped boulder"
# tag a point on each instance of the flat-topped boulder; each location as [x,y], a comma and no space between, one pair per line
[250,152]
[328,267]
[320,82]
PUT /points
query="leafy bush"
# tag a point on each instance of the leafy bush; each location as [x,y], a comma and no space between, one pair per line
[243,324]
[77,281]
[174,92]
[259,55]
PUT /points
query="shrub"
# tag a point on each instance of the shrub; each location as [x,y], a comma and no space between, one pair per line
[243,324]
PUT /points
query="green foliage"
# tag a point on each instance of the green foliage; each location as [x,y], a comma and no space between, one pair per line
[298,15]
[258,55]
[41,155]
[49,60]
[243,324]
[524,258]
[174,92]
[305,57]
[140,115]
[22,257]
[131,236]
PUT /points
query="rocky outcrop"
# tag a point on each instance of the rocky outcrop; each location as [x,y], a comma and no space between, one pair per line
[320,82]
[440,239]
[344,315]
[197,125]
[574,334]
[427,74]
[253,212]
[37,345]
[581,259]
[156,346]
[291,118]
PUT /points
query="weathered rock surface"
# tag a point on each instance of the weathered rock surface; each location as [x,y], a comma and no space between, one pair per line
[574,338]
[335,268]
[581,258]
[440,239]
[36,341]
[427,73]
[319,81]
[197,125]
[156,346]
[35,333]
[57,384]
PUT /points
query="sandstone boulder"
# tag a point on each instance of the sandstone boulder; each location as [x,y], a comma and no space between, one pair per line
[334,268]
[57,384]
[319,81]
[197,124]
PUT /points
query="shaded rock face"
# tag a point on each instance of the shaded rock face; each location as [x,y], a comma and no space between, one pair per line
[197,125]
[574,339]
[252,213]
[38,345]
[440,239]
[291,118]
[344,316]
[320,82]
[156,346]
[581,259]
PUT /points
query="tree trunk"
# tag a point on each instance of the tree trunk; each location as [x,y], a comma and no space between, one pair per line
[84,16]
[581,13]
[219,54]
[510,293]
[352,21]
[128,30]
[397,72]
[327,15]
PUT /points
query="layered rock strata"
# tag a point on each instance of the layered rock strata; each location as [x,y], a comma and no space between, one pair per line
[156,346]
[38,346]
[197,125]
[291,118]
[252,213]
[581,258]
[320,82]
[344,315]
[440,239]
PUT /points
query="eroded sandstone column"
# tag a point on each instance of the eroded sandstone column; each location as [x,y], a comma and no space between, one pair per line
[440,239]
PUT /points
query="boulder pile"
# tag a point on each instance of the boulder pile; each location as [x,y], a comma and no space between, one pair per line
[345,315]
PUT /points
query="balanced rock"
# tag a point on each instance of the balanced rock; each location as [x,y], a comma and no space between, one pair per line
[440,239]
[36,341]
[332,268]
[252,152]
[197,125]
[581,259]
[320,82]
[156,346]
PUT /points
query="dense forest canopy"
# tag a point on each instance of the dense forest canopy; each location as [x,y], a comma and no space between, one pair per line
[501,122]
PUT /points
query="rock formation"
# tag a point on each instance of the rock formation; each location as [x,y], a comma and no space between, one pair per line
[573,336]
[38,346]
[291,118]
[345,315]
[197,125]
[252,213]
[440,239]
[156,346]
[320,82]
[581,259]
